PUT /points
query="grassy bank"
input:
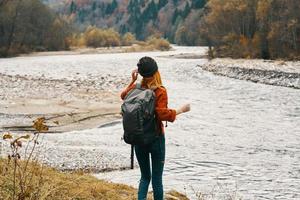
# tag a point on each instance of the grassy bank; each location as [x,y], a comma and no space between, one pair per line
[48,183]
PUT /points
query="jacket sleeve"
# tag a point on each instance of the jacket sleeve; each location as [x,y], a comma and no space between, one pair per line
[163,113]
[125,91]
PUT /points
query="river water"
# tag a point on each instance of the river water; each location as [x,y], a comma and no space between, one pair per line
[241,139]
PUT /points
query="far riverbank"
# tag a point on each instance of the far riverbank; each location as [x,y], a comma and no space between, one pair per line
[270,72]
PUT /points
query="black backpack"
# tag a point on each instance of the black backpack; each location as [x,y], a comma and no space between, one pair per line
[139,122]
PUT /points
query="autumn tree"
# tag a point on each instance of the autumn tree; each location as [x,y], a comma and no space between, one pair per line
[284,29]
[28,26]
[253,28]
[229,26]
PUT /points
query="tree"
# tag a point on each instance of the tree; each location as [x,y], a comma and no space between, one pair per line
[262,14]
[227,23]
[162,3]
[73,7]
[198,3]
[134,20]
[186,10]
[27,26]
[3,2]
[111,7]
[150,13]
[175,16]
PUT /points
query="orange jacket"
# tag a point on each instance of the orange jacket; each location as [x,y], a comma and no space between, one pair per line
[162,112]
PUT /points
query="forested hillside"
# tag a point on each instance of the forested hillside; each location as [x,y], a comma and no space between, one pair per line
[243,28]
[234,28]
[176,20]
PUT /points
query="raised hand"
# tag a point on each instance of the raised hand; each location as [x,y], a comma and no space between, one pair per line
[134,75]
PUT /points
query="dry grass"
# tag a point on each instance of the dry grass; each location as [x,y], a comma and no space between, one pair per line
[50,184]
[151,44]
[159,43]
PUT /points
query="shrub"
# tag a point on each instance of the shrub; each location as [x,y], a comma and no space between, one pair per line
[128,39]
[159,43]
[95,37]
[22,179]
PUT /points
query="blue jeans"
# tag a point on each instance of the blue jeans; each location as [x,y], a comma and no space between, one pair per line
[157,152]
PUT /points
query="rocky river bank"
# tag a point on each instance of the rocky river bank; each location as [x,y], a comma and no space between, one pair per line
[67,105]
[277,73]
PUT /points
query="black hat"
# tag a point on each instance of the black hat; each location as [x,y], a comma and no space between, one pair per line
[147,67]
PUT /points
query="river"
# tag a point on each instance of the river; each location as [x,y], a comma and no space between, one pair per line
[241,139]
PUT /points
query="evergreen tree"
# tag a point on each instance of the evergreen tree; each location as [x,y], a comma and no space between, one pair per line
[111,7]
[81,16]
[150,12]
[162,3]
[175,15]
[73,7]
[94,6]
[198,3]
[186,10]
[114,5]
[175,2]
[131,6]
[135,22]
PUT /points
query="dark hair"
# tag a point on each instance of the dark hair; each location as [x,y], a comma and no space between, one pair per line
[147,66]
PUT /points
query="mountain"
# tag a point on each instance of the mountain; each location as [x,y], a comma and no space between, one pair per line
[141,17]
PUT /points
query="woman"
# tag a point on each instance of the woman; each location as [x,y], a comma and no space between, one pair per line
[148,69]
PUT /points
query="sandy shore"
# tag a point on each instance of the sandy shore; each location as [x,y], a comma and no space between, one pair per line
[67,104]
[277,73]
[88,50]
[80,51]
